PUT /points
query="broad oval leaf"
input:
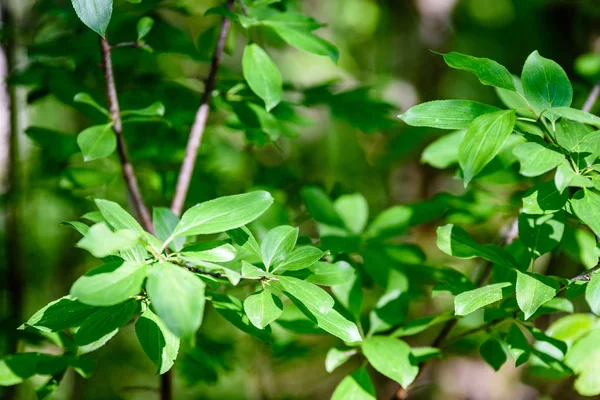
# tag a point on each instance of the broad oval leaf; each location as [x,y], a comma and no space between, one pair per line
[177,296]
[223,214]
[262,75]
[100,241]
[541,233]
[354,211]
[537,159]
[336,357]
[489,72]
[97,141]
[262,308]
[300,258]
[164,222]
[586,204]
[278,243]
[544,199]
[310,295]
[493,353]
[392,358]
[467,302]
[305,40]
[60,314]
[574,114]
[158,342]
[213,251]
[545,84]
[483,141]
[94,13]
[592,294]
[443,152]
[357,386]
[110,283]
[533,290]
[117,217]
[446,114]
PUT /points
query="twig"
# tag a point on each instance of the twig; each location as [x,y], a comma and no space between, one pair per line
[191,151]
[591,100]
[115,114]
[586,276]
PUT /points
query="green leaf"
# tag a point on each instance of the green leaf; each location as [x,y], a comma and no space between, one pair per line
[78,226]
[446,114]
[574,114]
[102,242]
[160,345]
[15,368]
[354,211]
[543,233]
[233,275]
[94,13]
[110,283]
[544,199]
[117,217]
[85,98]
[592,294]
[537,159]
[533,290]
[164,222]
[177,296]
[582,358]
[579,141]
[97,141]
[223,214]
[489,72]
[518,345]
[250,271]
[60,314]
[357,386]
[565,177]
[545,84]
[419,325]
[392,358]
[493,353]
[320,207]
[214,251]
[144,26]
[244,238]
[311,296]
[586,204]
[472,300]
[326,274]
[304,40]
[156,109]
[102,325]
[580,246]
[278,243]
[515,99]
[456,242]
[263,308]
[262,75]
[336,357]
[300,258]
[443,152]
[232,310]
[483,141]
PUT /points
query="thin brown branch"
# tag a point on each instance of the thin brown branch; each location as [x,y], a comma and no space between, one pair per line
[197,131]
[131,182]
[586,276]
[592,98]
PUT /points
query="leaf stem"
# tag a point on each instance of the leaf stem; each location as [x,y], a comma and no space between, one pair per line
[197,131]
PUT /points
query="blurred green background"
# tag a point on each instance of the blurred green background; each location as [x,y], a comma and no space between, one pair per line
[343,136]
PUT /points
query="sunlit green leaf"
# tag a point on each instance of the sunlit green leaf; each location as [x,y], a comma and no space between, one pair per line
[489,72]
[262,75]
[392,358]
[446,114]
[160,345]
[263,308]
[94,13]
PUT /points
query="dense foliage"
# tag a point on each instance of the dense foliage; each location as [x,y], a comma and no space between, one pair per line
[357,278]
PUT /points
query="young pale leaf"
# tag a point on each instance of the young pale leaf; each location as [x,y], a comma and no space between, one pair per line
[541,233]
[443,152]
[223,214]
[545,84]
[467,302]
[357,386]
[574,114]
[97,141]
[153,110]
[592,294]
[159,343]
[177,295]
[533,291]
[262,308]
[483,141]
[110,283]
[392,358]
[117,217]
[311,296]
[305,40]
[300,258]
[94,13]
[456,242]
[536,158]
[262,75]
[544,199]
[102,325]
[489,72]
[446,114]
[164,221]
[586,204]
[336,357]
[144,26]
[493,353]
[60,314]
[354,211]
[102,242]
[278,243]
